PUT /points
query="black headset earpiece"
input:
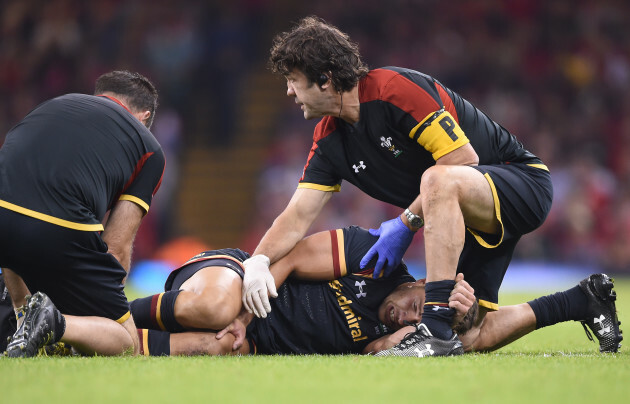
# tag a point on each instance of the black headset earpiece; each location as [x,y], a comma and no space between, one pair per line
[321,80]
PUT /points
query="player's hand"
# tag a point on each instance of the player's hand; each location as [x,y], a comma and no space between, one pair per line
[394,239]
[238,329]
[464,302]
[258,285]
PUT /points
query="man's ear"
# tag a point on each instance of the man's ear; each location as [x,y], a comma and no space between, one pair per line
[145,116]
[420,282]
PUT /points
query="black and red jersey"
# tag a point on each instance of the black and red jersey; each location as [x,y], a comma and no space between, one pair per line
[71,158]
[335,317]
[407,121]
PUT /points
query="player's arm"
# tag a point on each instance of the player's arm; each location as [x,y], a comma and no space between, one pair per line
[127,213]
[285,232]
[388,341]
[120,230]
[17,288]
[311,259]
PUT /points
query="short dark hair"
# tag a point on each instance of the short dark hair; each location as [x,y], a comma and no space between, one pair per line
[315,47]
[138,90]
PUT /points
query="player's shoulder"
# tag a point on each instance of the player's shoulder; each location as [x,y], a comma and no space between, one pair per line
[395,84]
[324,127]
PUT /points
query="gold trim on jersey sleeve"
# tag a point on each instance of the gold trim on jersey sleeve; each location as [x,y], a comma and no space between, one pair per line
[124,318]
[488,305]
[136,200]
[541,166]
[439,134]
[497,209]
[51,219]
[319,187]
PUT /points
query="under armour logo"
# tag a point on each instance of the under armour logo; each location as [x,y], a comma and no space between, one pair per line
[360,285]
[356,167]
[424,352]
[600,320]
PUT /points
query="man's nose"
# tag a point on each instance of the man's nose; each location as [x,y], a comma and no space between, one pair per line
[410,317]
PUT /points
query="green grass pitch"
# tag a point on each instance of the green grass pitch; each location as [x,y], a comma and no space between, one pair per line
[556,364]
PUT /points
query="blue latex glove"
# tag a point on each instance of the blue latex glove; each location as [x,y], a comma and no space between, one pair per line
[394,239]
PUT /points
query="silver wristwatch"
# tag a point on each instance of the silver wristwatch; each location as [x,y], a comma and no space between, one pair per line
[414,220]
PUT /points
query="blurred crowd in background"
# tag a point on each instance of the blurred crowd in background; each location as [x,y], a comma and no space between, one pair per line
[556,74]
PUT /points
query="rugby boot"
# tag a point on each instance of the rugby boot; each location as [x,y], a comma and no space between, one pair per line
[57,349]
[601,314]
[421,343]
[37,329]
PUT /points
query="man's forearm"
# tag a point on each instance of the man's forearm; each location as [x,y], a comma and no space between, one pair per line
[387,341]
[277,242]
[120,231]
[16,286]
[461,325]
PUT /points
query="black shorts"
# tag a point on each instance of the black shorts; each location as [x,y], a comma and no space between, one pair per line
[72,267]
[522,196]
[231,258]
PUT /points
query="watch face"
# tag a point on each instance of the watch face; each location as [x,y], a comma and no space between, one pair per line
[414,220]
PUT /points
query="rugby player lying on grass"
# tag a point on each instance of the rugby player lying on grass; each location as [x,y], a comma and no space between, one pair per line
[327,305]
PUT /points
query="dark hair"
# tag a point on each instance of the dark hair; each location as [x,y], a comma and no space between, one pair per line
[315,48]
[138,91]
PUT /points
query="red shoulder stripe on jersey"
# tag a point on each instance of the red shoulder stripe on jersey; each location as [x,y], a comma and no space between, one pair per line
[308,160]
[392,87]
[335,254]
[161,176]
[448,103]
[136,171]
[325,127]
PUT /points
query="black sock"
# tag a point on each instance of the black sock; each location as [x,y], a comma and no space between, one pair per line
[156,312]
[558,307]
[59,327]
[154,343]
[437,316]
